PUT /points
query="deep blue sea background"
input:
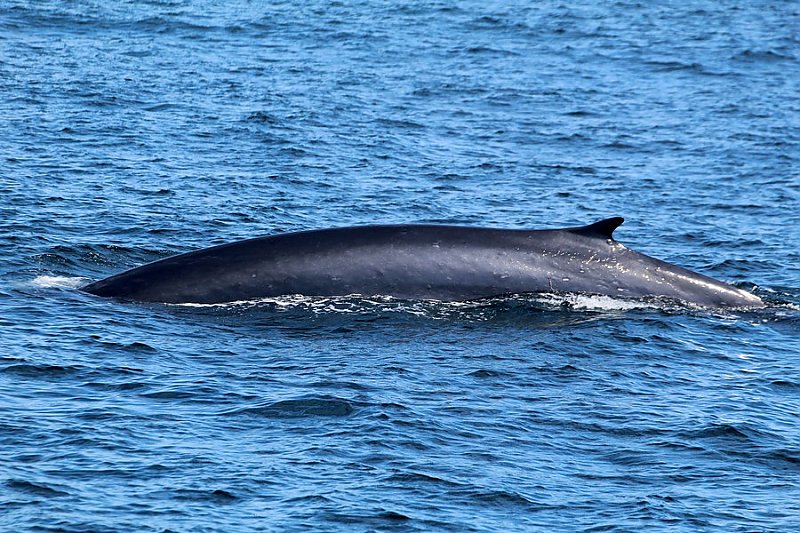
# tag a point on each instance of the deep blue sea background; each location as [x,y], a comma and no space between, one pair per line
[130,131]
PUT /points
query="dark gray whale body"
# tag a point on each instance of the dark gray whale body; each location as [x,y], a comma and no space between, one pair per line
[446,263]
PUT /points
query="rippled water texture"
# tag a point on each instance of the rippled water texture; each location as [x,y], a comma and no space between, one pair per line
[130,131]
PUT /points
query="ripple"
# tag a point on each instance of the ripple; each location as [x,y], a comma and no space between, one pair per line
[208,496]
[765,55]
[725,431]
[297,408]
[41,370]
[35,489]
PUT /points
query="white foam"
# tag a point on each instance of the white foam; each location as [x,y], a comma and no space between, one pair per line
[595,302]
[355,303]
[60,282]
[350,304]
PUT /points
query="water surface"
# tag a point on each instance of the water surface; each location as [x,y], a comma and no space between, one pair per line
[132,131]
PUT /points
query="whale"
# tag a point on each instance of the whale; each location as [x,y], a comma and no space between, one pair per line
[418,261]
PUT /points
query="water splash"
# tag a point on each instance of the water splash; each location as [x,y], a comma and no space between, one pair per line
[59,282]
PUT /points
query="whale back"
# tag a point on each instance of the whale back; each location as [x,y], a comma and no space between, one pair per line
[418,262]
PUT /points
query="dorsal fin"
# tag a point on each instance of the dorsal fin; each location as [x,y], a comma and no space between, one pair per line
[603,229]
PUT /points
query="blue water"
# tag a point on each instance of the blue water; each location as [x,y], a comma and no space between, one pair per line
[130,131]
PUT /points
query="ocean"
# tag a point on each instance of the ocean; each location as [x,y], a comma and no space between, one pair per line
[134,130]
